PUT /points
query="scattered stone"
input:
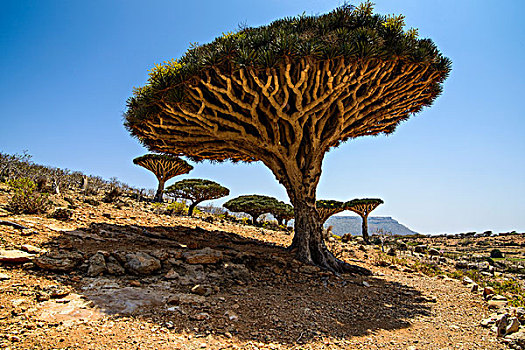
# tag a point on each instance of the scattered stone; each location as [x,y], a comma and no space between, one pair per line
[4,277]
[497,303]
[56,292]
[488,291]
[202,316]
[420,248]
[434,252]
[203,256]
[467,280]
[517,340]
[62,214]
[501,325]
[41,296]
[142,263]
[231,315]
[461,265]
[474,287]
[181,298]
[59,261]
[31,249]
[172,275]
[113,266]
[487,322]
[366,284]
[513,325]
[201,290]
[391,251]
[14,256]
[97,265]
[134,283]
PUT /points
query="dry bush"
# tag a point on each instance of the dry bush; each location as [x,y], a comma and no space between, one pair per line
[25,198]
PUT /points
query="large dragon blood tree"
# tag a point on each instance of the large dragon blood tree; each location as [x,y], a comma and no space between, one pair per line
[164,167]
[363,207]
[285,94]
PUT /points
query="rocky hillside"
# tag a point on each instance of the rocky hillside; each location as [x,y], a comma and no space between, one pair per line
[352,224]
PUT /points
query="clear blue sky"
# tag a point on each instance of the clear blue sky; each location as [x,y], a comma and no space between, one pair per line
[67,68]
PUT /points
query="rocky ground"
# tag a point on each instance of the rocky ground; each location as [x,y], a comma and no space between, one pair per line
[123,277]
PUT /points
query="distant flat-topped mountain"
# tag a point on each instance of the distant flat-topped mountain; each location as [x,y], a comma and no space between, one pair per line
[352,224]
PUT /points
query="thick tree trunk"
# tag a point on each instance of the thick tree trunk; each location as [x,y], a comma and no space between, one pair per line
[308,243]
[160,190]
[364,229]
[191,208]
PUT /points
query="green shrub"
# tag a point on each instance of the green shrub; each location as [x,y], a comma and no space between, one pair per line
[177,208]
[25,199]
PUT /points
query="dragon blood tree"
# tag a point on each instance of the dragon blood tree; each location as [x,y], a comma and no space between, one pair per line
[285,94]
[327,208]
[254,205]
[164,167]
[196,191]
[283,213]
[363,207]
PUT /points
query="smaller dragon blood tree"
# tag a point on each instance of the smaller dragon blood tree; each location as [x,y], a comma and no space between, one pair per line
[196,191]
[327,208]
[363,207]
[254,205]
[164,167]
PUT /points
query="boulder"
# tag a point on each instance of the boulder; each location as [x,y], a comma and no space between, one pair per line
[497,303]
[517,340]
[391,251]
[113,266]
[203,256]
[14,256]
[31,249]
[59,261]
[434,252]
[141,263]
[501,325]
[4,277]
[488,291]
[97,265]
[462,265]
[420,248]
[513,325]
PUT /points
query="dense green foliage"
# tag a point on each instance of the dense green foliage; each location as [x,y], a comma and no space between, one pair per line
[196,191]
[328,204]
[363,201]
[352,32]
[254,205]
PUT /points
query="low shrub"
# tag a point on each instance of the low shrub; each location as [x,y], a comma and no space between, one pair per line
[177,208]
[25,199]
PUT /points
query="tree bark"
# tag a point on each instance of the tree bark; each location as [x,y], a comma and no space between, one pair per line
[364,229]
[308,243]
[160,190]
[191,208]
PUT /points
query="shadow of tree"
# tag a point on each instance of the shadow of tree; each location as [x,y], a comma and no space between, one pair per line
[257,291]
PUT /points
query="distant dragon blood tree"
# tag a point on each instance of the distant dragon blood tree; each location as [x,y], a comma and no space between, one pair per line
[254,205]
[197,191]
[363,207]
[164,167]
[285,94]
[283,213]
[327,208]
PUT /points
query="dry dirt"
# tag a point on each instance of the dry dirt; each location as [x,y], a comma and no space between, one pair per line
[257,296]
